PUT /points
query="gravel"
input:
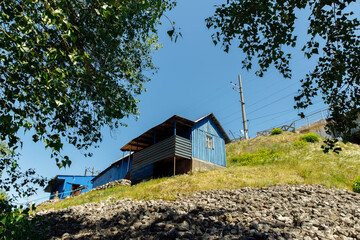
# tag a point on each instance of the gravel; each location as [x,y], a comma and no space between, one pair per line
[276,212]
[121,182]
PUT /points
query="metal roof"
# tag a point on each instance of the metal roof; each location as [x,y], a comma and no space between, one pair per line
[167,127]
[217,124]
[57,180]
[53,183]
[147,139]
[112,164]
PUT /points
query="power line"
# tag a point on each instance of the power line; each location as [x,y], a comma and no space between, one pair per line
[258,101]
[271,103]
[293,119]
[232,114]
[211,97]
[250,120]
[269,115]
[272,94]
[309,114]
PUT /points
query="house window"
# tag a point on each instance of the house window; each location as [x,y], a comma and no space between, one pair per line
[209,142]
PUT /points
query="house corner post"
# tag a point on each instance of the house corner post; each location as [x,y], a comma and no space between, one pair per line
[175,127]
[174,165]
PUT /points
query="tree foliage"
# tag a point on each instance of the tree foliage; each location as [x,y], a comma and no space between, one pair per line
[69,68]
[264,30]
[17,222]
[23,183]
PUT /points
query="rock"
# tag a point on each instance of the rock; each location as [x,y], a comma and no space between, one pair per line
[173,233]
[254,225]
[276,212]
[66,236]
[226,217]
[184,226]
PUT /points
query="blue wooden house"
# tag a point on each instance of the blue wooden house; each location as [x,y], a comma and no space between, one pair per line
[68,185]
[175,146]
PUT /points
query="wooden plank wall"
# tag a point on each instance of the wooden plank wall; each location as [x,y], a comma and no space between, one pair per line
[182,147]
[162,150]
[142,173]
[199,150]
[144,159]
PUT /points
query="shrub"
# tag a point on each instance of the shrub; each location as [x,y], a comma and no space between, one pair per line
[17,223]
[276,131]
[356,185]
[299,144]
[310,137]
[260,157]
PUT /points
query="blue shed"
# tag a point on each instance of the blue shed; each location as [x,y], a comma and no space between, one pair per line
[68,185]
[119,169]
[178,146]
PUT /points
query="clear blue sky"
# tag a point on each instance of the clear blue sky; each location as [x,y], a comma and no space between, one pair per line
[193,80]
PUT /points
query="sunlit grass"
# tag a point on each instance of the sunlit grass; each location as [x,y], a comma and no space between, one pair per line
[292,164]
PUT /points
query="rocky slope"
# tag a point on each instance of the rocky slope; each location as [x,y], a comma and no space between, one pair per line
[277,212]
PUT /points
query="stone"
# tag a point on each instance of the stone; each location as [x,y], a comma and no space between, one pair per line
[184,226]
[246,213]
[254,225]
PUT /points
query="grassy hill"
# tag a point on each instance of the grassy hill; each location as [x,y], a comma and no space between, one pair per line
[262,161]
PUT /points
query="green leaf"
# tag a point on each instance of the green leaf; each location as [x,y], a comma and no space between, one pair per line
[171,33]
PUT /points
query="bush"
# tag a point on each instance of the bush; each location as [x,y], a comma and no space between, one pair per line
[299,144]
[310,137]
[17,223]
[260,157]
[276,131]
[356,185]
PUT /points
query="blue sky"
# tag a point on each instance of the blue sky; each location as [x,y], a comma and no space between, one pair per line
[193,80]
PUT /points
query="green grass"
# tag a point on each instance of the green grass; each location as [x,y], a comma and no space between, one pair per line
[262,161]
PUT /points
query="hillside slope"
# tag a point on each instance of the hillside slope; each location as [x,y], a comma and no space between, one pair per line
[277,212]
[258,162]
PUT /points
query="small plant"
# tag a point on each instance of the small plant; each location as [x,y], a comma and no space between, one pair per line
[310,137]
[260,157]
[276,131]
[356,185]
[299,144]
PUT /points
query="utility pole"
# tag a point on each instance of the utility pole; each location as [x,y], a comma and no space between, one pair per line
[240,90]
[90,171]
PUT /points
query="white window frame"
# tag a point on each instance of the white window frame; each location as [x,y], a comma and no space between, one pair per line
[209,142]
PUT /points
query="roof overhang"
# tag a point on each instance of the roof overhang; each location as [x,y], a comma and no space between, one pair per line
[217,124]
[166,128]
[53,184]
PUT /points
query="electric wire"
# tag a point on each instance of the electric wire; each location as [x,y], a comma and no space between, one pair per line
[264,116]
[272,94]
[211,97]
[309,114]
[269,115]
[277,100]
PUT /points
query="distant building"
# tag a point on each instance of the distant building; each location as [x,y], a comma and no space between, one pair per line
[175,146]
[318,127]
[67,185]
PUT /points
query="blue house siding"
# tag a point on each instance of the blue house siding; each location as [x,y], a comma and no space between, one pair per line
[142,173]
[64,188]
[116,171]
[200,130]
[176,146]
